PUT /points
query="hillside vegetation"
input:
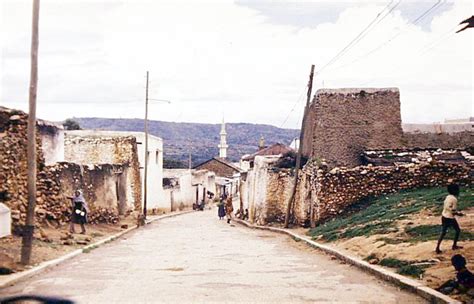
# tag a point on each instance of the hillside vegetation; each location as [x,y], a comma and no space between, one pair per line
[200,140]
[399,231]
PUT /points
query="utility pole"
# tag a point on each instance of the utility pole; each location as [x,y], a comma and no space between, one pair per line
[145,173]
[289,206]
[29,227]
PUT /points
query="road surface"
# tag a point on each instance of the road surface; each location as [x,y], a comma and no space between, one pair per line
[195,258]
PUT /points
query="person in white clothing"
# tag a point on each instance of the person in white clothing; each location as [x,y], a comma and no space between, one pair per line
[447,217]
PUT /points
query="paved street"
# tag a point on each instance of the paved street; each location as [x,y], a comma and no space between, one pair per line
[197,258]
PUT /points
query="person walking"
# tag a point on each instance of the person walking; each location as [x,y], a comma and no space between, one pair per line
[221,209]
[447,217]
[79,211]
[229,208]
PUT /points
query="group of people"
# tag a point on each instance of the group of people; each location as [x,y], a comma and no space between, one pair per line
[464,281]
[225,207]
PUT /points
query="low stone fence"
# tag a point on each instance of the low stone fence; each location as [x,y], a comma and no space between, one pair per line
[338,188]
[328,192]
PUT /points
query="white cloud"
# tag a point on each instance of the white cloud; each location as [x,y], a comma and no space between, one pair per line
[215,57]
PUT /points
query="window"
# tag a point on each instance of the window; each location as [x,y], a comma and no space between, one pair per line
[157,159]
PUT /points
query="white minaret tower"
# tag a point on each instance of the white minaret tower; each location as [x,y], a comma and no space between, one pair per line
[223,144]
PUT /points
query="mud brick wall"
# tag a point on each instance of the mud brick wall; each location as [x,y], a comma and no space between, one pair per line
[340,188]
[112,150]
[104,188]
[342,123]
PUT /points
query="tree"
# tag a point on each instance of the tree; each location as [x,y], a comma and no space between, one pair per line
[71,124]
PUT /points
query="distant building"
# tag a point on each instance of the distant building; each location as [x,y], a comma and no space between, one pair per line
[97,147]
[184,187]
[448,126]
[278,149]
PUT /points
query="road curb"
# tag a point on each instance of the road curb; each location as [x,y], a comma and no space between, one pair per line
[411,285]
[26,274]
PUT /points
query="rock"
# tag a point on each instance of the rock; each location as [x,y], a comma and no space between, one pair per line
[67,242]
[124,226]
[374,261]
[7,263]
[82,242]
[15,215]
[66,236]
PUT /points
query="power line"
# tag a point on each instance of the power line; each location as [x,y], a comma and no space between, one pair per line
[362,34]
[416,21]
[425,49]
[293,108]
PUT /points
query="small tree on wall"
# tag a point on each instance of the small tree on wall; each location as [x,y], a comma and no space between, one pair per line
[71,124]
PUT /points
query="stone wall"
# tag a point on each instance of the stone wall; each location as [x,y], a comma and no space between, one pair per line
[341,123]
[54,182]
[105,189]
[339,188]
[13,164]
[87,150]
[329,191]
[266,190]
[344,122]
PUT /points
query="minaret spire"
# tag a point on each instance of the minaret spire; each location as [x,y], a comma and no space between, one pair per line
[223,143]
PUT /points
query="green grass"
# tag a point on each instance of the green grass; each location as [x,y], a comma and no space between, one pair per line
[378,215]
[404,267]
[431,232]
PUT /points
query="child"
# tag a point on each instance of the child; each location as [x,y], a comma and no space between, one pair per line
[464,281]
[447,217]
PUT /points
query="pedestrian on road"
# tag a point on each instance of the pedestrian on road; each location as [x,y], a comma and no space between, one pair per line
[221,209]
[79,211]
[447,217]
[229,208]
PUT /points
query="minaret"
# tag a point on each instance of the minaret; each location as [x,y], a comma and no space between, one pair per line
[261,143]
[223,144]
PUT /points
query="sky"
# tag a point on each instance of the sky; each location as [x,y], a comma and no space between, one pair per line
[246,60]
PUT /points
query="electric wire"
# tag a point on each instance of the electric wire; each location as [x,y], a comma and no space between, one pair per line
[361,35]
[416,21]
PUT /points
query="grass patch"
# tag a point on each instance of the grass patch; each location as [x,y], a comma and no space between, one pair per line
[431,232]
[404,267]
[378,215]
[370,257]
[392,241]
[89,249]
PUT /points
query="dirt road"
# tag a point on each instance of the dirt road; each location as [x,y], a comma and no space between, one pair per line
[197,258]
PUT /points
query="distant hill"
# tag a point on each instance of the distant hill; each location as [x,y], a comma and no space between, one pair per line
[200,140]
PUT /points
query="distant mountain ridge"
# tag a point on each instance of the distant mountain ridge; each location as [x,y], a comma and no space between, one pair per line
[201,140]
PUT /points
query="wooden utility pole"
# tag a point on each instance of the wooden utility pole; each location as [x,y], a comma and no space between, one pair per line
[29,227]
[145,173]
[289,206]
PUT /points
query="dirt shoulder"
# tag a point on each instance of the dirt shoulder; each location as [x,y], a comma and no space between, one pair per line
[52,242]
[400,232]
